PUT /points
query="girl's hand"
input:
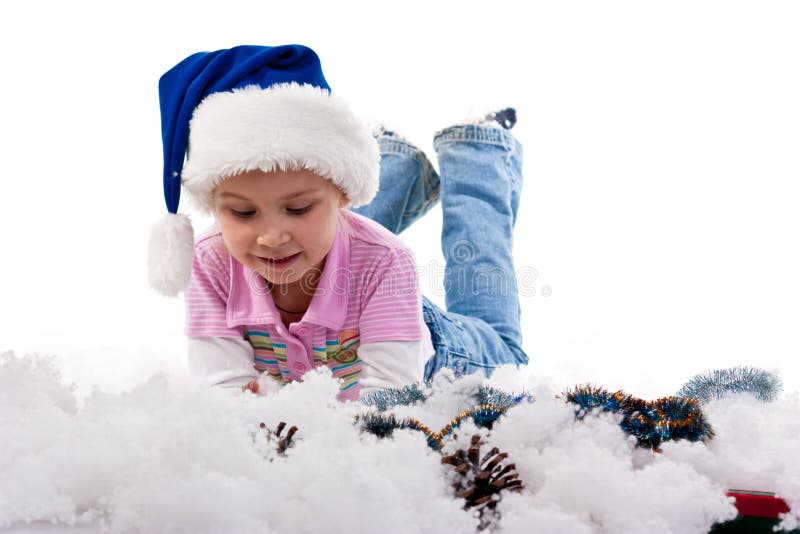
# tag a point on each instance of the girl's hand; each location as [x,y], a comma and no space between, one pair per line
[251,386]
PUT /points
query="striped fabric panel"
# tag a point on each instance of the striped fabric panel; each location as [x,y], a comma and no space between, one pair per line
[264,353]
[349,339]
[349,373]
[339,354]
[343,358]
[320,356]
[279,349]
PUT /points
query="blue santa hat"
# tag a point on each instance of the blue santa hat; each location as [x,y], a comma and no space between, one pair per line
[247,108]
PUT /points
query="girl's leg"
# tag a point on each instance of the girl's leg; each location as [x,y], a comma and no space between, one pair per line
[481,173]
[409,186]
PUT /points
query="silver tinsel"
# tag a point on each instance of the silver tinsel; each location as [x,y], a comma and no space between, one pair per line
[763,385]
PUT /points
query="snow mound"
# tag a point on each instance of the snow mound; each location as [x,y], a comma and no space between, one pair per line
[170,457]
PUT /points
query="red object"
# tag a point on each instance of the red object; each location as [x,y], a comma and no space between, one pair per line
[758,503]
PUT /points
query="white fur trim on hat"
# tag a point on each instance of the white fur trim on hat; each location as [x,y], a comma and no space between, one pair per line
[286,127]
[170,254]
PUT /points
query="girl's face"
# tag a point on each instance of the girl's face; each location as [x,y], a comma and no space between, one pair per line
[281,224]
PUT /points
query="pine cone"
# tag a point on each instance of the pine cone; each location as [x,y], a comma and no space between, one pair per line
[479,481]
[284,442]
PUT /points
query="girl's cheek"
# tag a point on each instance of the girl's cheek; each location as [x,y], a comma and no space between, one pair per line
[239,232]
[233,231]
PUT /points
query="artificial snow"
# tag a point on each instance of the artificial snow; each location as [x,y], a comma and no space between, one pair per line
[168,456]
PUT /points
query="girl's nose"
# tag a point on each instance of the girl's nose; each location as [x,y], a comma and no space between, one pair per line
[272,238]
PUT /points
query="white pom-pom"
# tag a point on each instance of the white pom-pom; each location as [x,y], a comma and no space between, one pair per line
[170,254]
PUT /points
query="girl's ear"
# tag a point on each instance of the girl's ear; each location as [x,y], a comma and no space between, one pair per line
[343,200]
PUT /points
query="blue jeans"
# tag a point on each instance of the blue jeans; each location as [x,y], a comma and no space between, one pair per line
[480,184]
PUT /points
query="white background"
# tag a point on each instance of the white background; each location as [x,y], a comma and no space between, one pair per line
[661,166]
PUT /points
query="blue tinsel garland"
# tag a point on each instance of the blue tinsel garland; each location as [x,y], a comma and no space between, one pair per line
[650,422]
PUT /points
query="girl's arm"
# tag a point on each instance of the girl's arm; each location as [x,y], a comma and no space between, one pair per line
[221,361]
[391,326]
[227,363]
[390,364]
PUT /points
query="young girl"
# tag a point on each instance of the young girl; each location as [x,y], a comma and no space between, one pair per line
[290,278]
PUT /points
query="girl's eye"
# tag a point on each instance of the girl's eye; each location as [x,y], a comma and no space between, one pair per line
[299,211]
[243,214]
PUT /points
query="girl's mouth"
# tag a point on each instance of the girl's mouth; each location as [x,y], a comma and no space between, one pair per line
[280,262]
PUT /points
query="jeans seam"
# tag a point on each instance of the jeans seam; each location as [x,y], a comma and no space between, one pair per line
[482,365]
[431,197]
[474,133]
[396,145]
[432,193]
[510,171]
[422,207]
